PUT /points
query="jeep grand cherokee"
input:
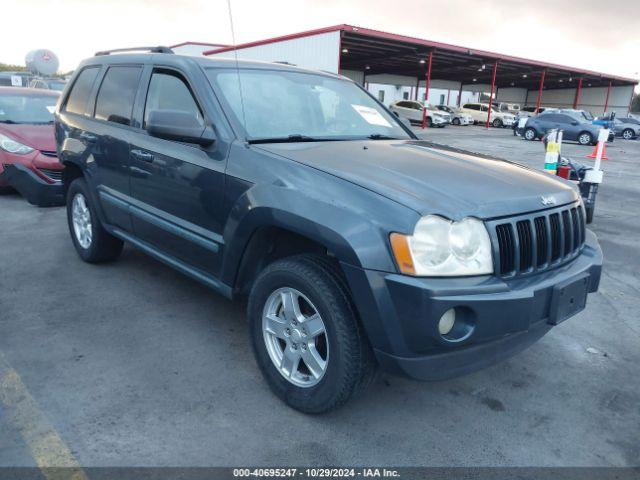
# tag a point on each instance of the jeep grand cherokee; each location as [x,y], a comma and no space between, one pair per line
[357,246]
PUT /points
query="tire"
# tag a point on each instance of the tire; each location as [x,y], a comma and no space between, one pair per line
[317,286]
[497,123]
[456,121]
[92,242]
[530,134]
[6,190]
[585,138]
[429,122]
[628,134]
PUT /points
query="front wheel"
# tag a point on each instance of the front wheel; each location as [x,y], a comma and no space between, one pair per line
[497,123]
[306,336]
[429,122]
[585,138]
[530,134]
[456,121]
[93,243]
[627,134]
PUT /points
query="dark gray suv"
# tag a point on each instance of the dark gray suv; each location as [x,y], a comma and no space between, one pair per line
[357,246]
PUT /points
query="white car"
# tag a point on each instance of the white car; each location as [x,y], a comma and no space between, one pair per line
[412,111]
[479,113]
[458,118]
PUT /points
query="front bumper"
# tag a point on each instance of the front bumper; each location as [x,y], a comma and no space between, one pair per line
[505,316]
[32,187]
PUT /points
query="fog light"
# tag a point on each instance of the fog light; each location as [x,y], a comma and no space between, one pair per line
[448,318]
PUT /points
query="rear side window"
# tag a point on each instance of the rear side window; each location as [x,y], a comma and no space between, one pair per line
[77,100]
[167,91]
[472,106]
[117,94]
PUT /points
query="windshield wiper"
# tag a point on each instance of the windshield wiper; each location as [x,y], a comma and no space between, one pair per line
[296,137]
[380,136]
[9,122]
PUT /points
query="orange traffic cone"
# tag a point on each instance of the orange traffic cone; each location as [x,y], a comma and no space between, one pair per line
[595,152]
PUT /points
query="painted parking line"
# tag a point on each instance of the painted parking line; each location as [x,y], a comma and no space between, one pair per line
[47,448]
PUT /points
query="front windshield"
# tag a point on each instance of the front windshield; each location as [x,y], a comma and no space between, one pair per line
[282,104]
[27,108]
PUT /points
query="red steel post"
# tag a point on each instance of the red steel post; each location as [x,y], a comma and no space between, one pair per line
[606,100]
[493,86]
[539,100]
[426,93]
[576,99]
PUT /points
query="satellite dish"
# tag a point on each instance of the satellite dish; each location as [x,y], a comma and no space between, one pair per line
[42,62]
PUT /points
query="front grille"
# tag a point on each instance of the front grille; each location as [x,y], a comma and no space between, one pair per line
[538,242]
[52,174]
[49,153]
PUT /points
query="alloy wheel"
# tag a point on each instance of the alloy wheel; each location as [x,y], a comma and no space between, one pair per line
[584,139]
[81,217]
[296,337]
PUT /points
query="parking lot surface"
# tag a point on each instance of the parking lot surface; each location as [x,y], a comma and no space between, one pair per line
[133,364]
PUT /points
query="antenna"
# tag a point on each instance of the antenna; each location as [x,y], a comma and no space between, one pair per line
[235,51]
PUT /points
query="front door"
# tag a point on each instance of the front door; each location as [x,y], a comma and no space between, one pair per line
[177,188]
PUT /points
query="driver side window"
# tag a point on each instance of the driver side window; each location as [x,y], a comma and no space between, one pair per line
[168,91]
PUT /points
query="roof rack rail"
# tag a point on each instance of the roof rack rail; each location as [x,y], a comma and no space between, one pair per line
[135,49]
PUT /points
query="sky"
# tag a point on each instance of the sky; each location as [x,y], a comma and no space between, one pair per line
[589,34]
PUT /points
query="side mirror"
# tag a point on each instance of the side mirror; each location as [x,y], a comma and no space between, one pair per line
[574,123]
[180,126]
[396,113]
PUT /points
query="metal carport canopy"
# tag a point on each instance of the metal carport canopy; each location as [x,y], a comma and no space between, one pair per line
[377,52]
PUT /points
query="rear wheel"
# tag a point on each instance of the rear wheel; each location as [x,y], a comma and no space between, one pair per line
[93,243]
[497,123]
[627,134]
[530,134]
[306,336]
[585,138]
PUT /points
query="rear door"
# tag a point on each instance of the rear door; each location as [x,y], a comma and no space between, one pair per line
[111,131]
[177,188]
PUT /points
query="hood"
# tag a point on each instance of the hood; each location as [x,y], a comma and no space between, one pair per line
[40,137]
[433,179]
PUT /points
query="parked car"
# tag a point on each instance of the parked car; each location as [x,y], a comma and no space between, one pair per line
[574,129]
[28,159]
[626,129]
[530,111]
[14,79]
[412,111]
[512,108]
[457,118]
[357,245]
[57,84]
[478,111]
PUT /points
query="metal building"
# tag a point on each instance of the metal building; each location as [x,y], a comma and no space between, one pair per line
[195,48]
[374,57]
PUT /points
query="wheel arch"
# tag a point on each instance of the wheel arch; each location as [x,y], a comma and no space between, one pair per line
[69,174]
[268,234]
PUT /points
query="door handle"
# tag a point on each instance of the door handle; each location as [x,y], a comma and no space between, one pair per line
[88,137]
[141,155]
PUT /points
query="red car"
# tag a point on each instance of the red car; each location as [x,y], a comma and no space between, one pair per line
[28,159]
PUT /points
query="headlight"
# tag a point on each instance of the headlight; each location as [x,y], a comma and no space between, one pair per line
[11,146]
[440,247]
